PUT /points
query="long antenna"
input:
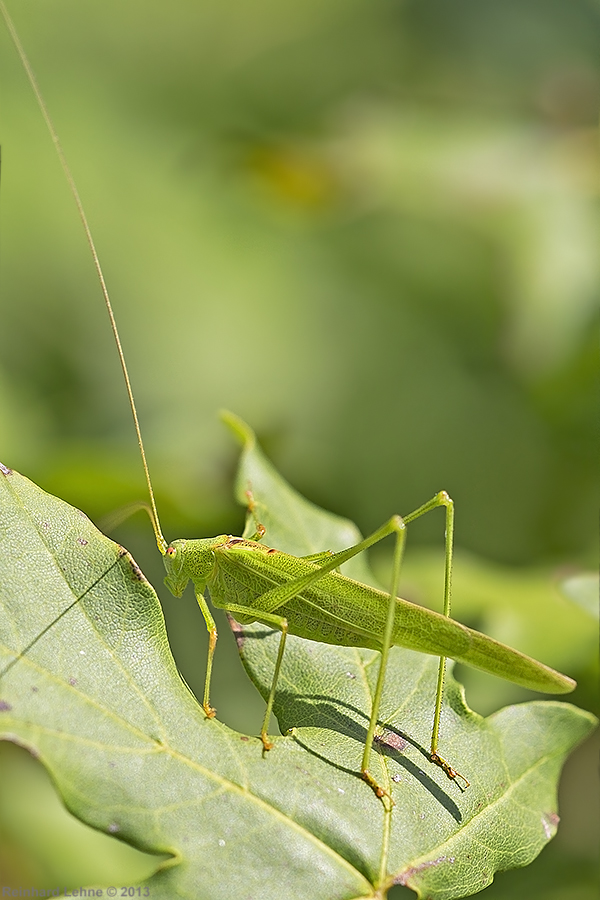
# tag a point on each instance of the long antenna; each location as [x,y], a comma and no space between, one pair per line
[162,544]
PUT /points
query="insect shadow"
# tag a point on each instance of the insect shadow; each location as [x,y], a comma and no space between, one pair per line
[318,711]
[294,711]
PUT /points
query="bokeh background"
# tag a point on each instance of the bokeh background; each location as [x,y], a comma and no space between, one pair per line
[368,227]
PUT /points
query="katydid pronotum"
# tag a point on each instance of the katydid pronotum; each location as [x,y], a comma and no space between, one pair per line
[308,596]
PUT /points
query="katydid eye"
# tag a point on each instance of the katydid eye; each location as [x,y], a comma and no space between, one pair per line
[171,551]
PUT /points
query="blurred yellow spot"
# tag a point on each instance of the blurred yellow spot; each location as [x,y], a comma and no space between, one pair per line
[294,175]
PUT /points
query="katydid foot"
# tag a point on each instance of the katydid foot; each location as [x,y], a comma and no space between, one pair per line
[379,792]
[267,744]
[452,774]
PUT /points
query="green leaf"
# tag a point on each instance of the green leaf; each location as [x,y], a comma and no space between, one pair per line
[88,684]
[292,523]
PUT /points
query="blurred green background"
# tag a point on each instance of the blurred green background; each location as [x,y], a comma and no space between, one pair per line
[368,227]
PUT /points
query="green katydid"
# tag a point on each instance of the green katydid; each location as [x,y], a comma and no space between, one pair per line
[307,596]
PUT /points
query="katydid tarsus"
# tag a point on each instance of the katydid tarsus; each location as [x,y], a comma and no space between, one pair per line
[308,596]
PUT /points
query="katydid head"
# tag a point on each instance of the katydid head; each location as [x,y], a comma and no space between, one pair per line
[174,559]
[195,560]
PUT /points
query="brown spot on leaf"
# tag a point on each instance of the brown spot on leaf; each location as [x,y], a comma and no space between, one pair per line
[5,706]
[136,570]
[82,542]
[5,470]
[391,739]
[134,566]
[404,877]
[550,824]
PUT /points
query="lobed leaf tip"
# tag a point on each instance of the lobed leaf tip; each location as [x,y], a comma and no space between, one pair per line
[241,431]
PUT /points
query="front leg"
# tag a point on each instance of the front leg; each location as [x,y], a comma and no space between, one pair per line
[211,627]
